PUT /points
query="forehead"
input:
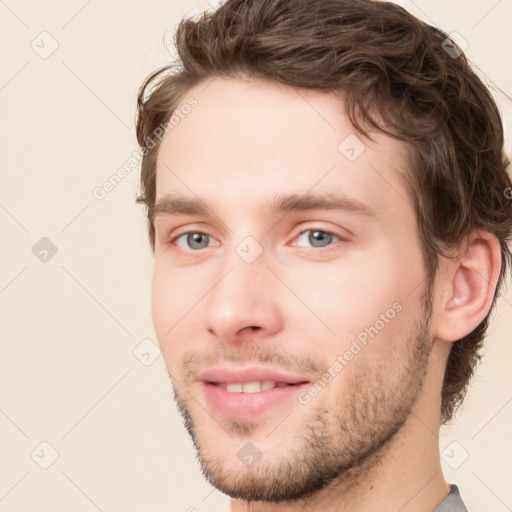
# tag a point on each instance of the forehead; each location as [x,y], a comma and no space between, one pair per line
[248,140]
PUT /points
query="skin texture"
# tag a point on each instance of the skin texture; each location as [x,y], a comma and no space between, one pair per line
[368,440]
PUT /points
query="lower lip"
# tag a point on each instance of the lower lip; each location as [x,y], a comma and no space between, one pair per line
[247,405]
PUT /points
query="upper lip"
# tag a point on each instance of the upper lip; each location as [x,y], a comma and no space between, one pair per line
[251,374]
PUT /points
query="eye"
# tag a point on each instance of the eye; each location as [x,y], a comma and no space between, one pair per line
[193,240]
[316,238]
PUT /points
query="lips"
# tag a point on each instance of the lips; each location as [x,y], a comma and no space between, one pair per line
[248,392]
[245,375]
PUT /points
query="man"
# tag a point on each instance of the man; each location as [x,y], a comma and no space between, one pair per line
[325,189]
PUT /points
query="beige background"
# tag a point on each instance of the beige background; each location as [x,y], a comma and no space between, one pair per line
[69,326]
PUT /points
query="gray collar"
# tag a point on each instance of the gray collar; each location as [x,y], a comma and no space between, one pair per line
[453,502]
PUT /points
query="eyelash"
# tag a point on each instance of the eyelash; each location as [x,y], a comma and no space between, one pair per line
[297,233]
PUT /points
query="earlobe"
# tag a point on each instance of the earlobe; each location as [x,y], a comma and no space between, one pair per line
[468,287]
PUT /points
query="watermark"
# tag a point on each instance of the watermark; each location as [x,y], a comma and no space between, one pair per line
[342,360]
[147,352]
[45,45]
[454,45]
[454,455]
[101,191]
[44,250]
[44,455]
[249,454]
[249,249]
[351,147]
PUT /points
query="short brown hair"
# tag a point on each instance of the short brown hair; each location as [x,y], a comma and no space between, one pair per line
[395,77]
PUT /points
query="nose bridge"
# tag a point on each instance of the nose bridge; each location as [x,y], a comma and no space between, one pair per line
[239,298]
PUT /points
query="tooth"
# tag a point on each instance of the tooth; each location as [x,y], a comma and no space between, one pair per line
[252,387]
[267,384]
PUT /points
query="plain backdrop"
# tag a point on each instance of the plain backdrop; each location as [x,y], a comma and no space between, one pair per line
[87,420]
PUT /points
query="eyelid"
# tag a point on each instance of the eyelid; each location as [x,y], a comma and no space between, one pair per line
[299,230]
[182,230]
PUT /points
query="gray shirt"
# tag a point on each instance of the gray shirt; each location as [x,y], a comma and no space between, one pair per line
[453,502]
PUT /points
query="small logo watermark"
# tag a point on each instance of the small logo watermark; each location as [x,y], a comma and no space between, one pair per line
[249,249]
[45,45]
[249,454]
[146,352]
[455,455]
[44,250]
[351,147]
[44,455]
[454,45]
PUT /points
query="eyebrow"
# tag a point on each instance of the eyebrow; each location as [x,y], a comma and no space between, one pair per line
[172,204]
[316,201]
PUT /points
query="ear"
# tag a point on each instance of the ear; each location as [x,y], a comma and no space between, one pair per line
[466,286]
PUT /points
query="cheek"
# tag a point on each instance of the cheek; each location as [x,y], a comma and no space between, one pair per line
[355,295]
[167,305]
[342,294]
[175,296]
[173,293]
[161,301]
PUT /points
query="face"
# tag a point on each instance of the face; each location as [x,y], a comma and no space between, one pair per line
[288,291]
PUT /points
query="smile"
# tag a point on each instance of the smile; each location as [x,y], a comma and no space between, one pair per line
[249,392]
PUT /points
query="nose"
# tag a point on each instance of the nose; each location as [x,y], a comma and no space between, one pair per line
[241,304]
